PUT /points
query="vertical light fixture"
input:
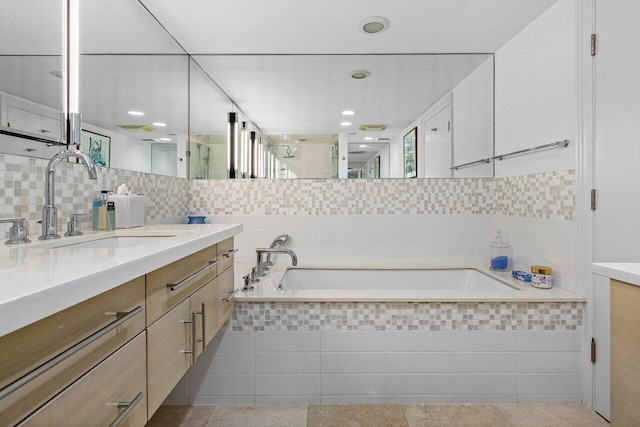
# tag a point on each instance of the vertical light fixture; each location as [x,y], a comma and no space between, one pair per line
[243,150]
[232,145]
[71,118]
[253,161]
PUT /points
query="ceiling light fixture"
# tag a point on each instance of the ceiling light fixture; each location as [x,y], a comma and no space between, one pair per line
[165,139]
[362,146]
[159,124]
[374,25]
[359,74]
[135,113]
[348,113]
[368,138]
[345,124]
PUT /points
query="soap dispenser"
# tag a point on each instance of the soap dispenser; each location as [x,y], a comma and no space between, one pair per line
[499,254]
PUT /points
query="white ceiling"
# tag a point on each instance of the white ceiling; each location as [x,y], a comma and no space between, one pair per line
[331,26]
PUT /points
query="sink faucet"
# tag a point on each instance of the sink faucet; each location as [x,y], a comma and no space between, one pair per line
[261,251]
[49,214]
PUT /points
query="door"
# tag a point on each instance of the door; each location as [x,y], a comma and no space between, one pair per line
[617,170]
[437,154]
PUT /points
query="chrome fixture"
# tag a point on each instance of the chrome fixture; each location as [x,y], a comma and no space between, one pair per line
[49,214]
[17,232]
[248,280]
[262,251]
[278,241]
[74,225]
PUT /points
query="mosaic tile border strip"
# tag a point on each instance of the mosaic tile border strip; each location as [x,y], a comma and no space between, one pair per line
[22,191]
[342,197]
[332,316]
[549,195]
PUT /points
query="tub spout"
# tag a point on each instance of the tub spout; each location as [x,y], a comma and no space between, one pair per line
[261,251]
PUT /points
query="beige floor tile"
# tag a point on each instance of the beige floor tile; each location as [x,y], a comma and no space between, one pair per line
[565,415]
[454,415]
[181,416]
[259,416]
[356,416]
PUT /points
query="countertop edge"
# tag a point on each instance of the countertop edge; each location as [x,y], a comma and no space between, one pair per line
[622,271]
[20,312]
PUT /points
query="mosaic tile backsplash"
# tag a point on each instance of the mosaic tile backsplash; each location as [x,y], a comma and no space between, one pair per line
[545,195]
[22,191]
[336,316]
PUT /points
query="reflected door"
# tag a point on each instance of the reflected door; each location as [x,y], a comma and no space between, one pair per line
[437,152]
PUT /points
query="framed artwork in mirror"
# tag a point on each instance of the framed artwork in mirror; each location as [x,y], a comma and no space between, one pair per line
[97,147]
[376,167]
[410,145]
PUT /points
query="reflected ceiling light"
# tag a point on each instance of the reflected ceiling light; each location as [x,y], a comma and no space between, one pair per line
[345,124]
[348,113]
[135,113]
[362,145]
[165,139]
[374,25]
[368,138]
[359,74]
[159,124]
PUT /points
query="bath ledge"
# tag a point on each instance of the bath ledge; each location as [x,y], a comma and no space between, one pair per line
[508,289]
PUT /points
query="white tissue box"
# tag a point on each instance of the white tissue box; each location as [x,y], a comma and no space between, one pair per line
[129,210]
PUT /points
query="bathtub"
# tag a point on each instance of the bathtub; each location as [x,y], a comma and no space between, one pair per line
[391,278]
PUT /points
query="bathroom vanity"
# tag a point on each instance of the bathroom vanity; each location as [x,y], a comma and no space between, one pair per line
[625,340]
[101,327]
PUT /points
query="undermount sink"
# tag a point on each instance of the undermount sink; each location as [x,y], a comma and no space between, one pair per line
[117,242]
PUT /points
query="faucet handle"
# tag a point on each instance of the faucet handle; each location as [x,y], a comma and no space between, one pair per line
[18,231]
[248,280]
[74,224]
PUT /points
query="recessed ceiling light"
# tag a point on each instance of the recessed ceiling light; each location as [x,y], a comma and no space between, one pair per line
[348,113]
[345,124]
[359,74]
[362,145]
[135,113]
[374,25]
[159,124]
[165,139]
[368,138]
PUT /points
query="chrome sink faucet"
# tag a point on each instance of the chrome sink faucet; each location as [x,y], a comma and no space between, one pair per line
[49,214]
[261,251]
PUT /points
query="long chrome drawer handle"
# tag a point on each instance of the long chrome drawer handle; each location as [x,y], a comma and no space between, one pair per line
[174,286]
[70,352]
[230,297]
[129,407]
[229,253]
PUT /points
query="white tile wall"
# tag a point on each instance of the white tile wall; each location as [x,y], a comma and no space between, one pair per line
[386,367]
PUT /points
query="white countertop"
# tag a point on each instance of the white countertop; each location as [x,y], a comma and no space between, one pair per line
[41,278]
[267,290]
[628,272]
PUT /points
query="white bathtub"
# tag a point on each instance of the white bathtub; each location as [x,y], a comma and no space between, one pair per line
[389,279]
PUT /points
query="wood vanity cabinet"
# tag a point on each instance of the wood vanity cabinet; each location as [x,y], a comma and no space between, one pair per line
[114,389]
[625,354]
[36,345]
[175,335]
[95,362]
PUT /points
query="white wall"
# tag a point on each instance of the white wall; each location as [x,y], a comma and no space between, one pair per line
[535,93]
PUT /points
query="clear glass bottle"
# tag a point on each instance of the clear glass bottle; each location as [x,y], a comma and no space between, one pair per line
[499,254]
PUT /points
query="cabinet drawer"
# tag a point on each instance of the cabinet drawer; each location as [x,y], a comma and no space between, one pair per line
[38,344]
[226,249]
[93,399]
[168,353]
[225,290]
[169,285]
[204,305]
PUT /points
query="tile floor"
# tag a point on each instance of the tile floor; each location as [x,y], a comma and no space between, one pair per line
[507,415]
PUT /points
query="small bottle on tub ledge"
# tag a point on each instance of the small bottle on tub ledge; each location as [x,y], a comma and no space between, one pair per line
[499,254]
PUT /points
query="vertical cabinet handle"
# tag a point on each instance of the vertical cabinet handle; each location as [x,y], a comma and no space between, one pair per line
[193,334]
[128,408]
[203,323]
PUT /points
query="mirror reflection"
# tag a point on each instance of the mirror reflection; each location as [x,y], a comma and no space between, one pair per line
[31,97]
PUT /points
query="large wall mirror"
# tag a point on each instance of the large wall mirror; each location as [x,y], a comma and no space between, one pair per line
[316,114]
